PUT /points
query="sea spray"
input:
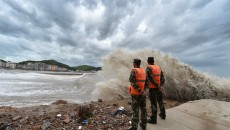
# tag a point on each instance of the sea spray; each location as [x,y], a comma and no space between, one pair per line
[183,83]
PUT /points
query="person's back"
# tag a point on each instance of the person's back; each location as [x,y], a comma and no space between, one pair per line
[154,79]
[138,95]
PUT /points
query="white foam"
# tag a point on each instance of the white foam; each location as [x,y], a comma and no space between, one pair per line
[182,81]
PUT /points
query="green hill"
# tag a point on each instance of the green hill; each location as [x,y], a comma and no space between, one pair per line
[2,60]
[86,68]
[54,62]
[48,62]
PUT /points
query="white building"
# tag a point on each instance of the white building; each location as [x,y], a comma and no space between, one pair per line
[10,65]
[2,64]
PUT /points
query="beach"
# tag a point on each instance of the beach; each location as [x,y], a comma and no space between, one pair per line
[64,115]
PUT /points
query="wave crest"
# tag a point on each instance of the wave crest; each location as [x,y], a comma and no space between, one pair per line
[183,83]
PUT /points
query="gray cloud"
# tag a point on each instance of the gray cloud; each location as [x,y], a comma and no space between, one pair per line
[82,32]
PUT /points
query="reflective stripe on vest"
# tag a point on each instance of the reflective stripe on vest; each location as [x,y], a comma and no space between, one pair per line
[156,73]
[140,80]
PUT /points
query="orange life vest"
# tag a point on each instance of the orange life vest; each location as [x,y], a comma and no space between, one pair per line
[156,74]
[140,80]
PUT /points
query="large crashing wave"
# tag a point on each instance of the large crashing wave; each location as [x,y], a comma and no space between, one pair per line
[183,83]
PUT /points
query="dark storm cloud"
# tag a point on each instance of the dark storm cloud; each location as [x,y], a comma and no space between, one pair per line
[83,31]
[57,12]
[115,11]
[11,28]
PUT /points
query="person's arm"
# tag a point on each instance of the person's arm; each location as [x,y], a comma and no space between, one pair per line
[132,80]
[162,78]
[150,77]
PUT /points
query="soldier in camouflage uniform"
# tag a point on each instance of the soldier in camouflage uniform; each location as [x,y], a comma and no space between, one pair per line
[137,90]
[155,80]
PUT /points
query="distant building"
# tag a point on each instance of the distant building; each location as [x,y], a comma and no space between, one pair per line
[2,64]
[13,65]
[62,69]
[48,68]
[54,68]
[10,65]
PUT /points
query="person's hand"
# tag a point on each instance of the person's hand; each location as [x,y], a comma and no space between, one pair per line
[160,88]
[143,93]
[156,84]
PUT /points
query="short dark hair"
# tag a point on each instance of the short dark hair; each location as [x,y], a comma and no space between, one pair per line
[137,61]
[151,59]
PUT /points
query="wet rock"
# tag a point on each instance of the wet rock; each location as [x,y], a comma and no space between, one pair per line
[100,100]
[16,118]
[67,120]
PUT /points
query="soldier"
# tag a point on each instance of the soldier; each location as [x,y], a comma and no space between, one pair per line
[137,90]
[155,79]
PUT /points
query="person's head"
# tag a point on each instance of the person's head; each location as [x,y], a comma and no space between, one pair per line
[150,60]
[136,62]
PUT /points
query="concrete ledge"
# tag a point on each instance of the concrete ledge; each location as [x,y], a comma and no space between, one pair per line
[203,114]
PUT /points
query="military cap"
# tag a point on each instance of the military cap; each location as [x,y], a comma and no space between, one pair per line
[137,61]
[151,59]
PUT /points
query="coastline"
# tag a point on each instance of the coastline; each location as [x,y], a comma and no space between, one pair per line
[64,115]
[43,72]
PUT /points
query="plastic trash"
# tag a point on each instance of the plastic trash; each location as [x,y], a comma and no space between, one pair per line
[121,110]
[85,122]
[80,128]
[58,115]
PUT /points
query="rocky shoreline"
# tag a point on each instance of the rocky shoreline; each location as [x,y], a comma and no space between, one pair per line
[61,115]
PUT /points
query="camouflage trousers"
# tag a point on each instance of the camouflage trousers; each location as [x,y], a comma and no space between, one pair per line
[138,102]
[156,96]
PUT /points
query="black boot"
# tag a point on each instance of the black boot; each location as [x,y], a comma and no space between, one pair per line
[143,127]
[163,116]
[152,121]
[130,128]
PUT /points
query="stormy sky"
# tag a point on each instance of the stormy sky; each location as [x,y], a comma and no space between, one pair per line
[77,32]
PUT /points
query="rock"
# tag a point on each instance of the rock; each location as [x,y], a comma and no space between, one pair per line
[3,126]
[85,110]
[58,102]
[16,118]
[175,104]
[115,105]
[37,127]
[45,125]
[100,100]
[67,120]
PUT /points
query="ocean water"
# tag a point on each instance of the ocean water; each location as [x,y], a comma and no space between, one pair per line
[18,88]
[183,83]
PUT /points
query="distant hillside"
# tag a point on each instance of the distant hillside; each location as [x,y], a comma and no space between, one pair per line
[54,62]
[2,60]
[86,68]
[48,62]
